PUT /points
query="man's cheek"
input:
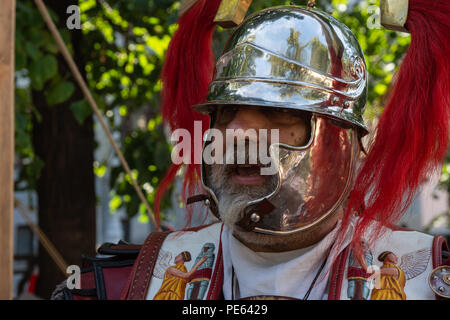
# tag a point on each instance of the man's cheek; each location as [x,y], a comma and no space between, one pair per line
[217,175]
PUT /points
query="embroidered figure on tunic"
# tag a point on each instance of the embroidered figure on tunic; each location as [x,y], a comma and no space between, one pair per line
[200,279]
[357,276]
[176,277]
[393,278]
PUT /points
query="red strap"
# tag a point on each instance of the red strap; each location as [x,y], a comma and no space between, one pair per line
[439,244]
[337,275]
[216,284]
[139,281]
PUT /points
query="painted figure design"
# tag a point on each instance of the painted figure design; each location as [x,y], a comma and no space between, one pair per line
[175,277]
[200,279]
[393,278]
[358,277]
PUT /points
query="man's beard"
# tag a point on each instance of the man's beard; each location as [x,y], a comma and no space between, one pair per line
[233,198]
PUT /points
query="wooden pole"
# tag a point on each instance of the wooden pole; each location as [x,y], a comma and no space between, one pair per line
[7,28]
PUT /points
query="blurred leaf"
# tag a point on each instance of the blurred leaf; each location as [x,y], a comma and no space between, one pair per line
[60,92]
[49,43]
[49,67]
[81,110]
[100,171]
[115,203]
[36,75]
[33,52]
[380,88]
[20,59]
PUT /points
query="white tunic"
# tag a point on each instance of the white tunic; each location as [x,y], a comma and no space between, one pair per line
[287,273]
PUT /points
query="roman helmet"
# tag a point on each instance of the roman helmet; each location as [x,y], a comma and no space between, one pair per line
[299,59]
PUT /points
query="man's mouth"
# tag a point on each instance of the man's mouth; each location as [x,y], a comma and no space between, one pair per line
[248,174]
[247,170]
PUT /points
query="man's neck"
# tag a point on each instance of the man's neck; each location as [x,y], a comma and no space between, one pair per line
[259,242]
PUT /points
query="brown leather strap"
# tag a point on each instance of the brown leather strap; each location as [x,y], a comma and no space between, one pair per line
[144,265]
[337,275]
[217,278]
[126,247]
[197,198]
[439,244]
[208,200]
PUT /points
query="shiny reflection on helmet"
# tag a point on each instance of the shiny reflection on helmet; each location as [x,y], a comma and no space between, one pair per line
[313,181]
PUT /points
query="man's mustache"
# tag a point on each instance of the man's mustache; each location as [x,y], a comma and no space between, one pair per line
[248,153]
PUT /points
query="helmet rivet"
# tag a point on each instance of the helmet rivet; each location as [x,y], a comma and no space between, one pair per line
[335,100]
[441,289]
[346,104]
[207,202]
[446,278]
[255,217]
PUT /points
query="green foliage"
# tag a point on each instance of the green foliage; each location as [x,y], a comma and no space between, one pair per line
[81,110]
[36,69]
[125,43]
[148,153]
[60,92]
[445,178]
[122,54]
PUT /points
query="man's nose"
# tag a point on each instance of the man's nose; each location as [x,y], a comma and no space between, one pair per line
[248,118]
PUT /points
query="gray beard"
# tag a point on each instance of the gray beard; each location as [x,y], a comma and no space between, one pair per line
[233,198]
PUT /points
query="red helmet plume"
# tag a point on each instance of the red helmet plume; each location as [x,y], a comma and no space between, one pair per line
[412,133]
[187,72]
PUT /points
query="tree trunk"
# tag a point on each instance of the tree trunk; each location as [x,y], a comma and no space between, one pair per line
[65,188]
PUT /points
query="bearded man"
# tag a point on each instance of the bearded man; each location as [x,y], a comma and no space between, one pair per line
[289,234]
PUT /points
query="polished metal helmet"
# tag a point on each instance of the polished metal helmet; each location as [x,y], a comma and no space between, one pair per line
[304,59]
[292,57]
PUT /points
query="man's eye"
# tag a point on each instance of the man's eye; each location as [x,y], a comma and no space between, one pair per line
[279,113]
[281,110]
[225,114]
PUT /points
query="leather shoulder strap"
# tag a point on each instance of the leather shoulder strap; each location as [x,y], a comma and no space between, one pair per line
[337,275]
[139,280]
[215,292]
[439,245]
